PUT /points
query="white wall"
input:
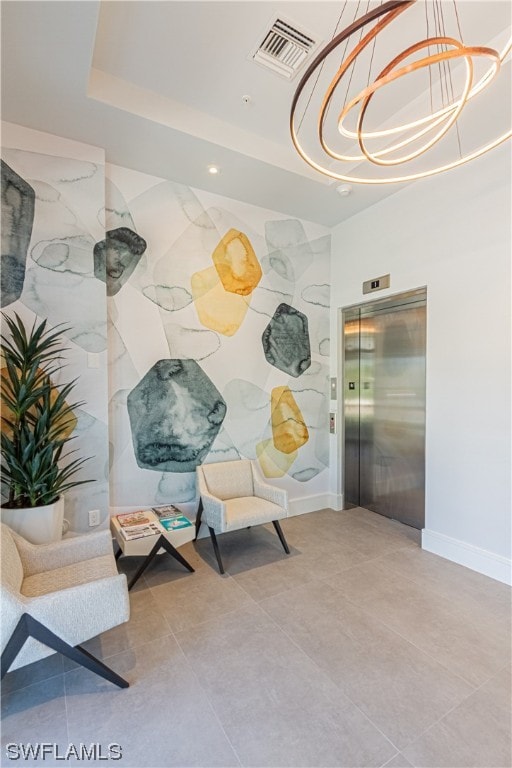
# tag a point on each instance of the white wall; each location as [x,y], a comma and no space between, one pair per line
[452,234]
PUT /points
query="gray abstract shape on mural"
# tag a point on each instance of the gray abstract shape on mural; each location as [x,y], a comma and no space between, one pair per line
[191,206]
[54,169]
[191,343]
[245,398]
[283,233]
[286,341]
[116,257]
[116,212]
[317,294]
[78,299]
[248,413]
[180,488]
[305,474]
[289,251]
[175,415]
[291,263]
[91,435]
[223,448]
[168,297]
[70,254]
[18,204]
[263,301]
[189,251]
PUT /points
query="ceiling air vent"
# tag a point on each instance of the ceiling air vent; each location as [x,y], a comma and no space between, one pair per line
[284,48]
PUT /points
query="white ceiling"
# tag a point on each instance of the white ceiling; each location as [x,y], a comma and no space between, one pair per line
[159,85]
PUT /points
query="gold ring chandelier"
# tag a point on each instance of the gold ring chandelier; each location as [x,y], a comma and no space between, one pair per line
[446,49]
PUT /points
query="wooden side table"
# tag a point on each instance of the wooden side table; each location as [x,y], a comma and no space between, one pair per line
[149,546]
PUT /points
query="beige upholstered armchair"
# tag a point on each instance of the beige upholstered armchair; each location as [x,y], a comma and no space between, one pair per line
[54,596]
[234,496]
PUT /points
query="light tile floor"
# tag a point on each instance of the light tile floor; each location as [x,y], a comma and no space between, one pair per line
[357,649]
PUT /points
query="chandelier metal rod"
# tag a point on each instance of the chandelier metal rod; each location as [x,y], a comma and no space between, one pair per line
[447,47]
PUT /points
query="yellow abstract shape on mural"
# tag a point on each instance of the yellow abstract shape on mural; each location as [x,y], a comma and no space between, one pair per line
[217,309]
[236,263]
[70,419]
[289,429]
[273,463]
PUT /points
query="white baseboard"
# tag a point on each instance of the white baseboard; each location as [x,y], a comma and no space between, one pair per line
[298,506]
[305,504]
[480,560]
[337,501]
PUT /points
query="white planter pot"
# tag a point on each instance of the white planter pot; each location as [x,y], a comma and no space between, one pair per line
[39,525]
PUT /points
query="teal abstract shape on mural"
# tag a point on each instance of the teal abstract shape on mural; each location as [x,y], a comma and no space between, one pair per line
[18,204]
[116,257]
[286,341]
[175,415]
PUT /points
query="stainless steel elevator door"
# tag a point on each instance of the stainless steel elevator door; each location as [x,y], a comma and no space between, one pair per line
[384,407]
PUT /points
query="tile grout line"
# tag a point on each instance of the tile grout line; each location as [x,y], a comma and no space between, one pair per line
[164,617]
[439,720]
[417,647]
[390,759]
[210,703]
[275,594]
[413,580]
[42,680]
[463,679]
[392,629]
[206,621]
[456,706]
[409,643]
[320,670]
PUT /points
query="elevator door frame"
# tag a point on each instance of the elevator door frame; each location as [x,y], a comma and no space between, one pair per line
[411,297]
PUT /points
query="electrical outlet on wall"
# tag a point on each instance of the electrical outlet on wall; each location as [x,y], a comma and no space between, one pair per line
[94,517]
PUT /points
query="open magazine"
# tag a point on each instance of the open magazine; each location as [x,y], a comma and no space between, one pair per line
[131,532]
[129,519]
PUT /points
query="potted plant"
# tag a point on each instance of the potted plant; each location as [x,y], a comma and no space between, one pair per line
[37,422]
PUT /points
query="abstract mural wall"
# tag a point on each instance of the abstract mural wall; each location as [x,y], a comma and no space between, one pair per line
[218,332]
[199,324]
[52,215]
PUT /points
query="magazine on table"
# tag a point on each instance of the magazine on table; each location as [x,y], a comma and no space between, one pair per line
[129,519]
[175,523]
[167,511]
[140,531]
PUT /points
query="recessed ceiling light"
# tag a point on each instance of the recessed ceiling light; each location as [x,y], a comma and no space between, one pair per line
[344,189]
[213,169]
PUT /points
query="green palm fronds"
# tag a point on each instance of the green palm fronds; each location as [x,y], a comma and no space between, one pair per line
[36,417]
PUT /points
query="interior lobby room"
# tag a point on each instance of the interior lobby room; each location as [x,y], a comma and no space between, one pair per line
[276,238]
